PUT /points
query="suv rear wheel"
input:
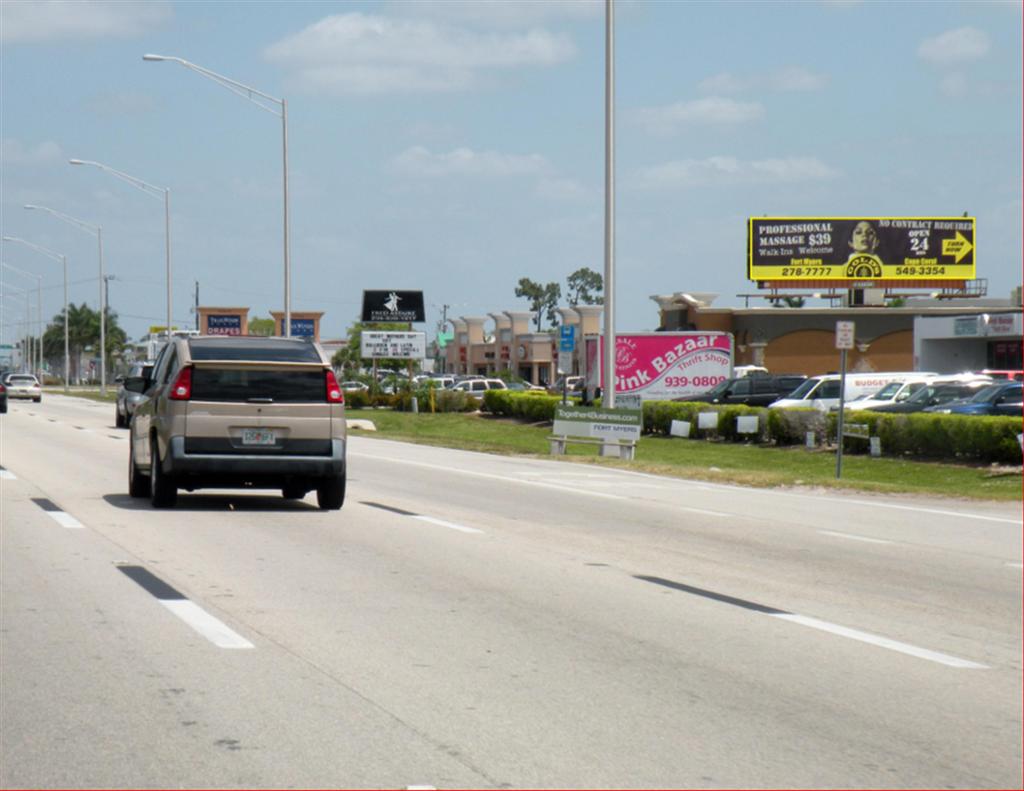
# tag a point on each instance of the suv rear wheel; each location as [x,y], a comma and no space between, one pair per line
[330,493]
[163,491]
[138,484]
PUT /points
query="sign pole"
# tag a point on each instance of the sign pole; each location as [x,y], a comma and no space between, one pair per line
[844,341]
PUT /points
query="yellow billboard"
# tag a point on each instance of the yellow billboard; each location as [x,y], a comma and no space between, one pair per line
[860,249]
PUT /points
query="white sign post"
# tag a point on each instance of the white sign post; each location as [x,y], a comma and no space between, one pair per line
[844,341]
[393,345]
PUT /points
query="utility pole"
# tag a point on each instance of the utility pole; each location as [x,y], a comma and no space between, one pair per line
[197,305]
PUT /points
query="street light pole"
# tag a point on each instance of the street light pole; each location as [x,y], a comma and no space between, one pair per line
[96,231]
[64,262]
[26,347]
[258,98]
[155,191]
[39,312]
[609,206]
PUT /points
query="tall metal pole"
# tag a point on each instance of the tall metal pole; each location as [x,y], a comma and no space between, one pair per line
[103,320]
[167,231]
[287,250]
[67,350]
[608,383]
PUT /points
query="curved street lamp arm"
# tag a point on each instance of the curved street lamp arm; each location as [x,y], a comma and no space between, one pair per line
[145,186]
[234,86]
[85,226]
[34,246]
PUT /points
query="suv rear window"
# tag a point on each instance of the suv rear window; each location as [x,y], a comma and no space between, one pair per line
[281,387]
[278,350]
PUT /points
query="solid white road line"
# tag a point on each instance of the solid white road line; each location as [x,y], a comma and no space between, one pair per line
[883,642]
[449,525]
[853,537]
[209,627]
[64,519]
[502,478]
[703,511]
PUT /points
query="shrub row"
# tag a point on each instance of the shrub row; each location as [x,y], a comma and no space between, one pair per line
[534,406]
[918,435]
[444,401]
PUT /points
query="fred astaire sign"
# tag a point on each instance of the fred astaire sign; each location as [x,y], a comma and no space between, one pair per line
[860,249]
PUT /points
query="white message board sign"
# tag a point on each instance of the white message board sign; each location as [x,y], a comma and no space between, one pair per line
[393,345]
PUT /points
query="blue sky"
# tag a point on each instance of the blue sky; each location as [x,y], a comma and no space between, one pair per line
[456,147]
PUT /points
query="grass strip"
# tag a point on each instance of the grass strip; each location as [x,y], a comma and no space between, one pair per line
[722,462]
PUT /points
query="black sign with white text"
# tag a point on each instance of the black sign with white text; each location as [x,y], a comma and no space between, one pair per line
[393,306]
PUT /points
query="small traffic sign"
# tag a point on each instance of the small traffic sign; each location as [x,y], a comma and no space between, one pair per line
[844,334]
[567,338]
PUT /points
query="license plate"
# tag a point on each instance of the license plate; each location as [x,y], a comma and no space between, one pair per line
[257,436]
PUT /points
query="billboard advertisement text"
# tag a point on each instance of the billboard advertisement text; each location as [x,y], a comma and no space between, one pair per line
[859,250]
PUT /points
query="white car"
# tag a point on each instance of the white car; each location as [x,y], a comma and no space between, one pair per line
[24,386]
[479,385]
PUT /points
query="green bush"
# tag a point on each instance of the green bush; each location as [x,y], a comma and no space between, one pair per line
[658,415]
[534,405]
[790,426]
[357,399]
[929,435]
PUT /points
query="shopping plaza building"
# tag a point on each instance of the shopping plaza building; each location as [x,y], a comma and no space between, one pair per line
[926,334]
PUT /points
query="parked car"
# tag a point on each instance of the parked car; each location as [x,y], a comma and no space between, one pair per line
[892,393]
[354,387]
[936,392]
[23,386]
[822,392]
[752,390]
[999,398]
[238,412]
[479,385]
[573,385]
[525,387]
[1014,376]
[126,400]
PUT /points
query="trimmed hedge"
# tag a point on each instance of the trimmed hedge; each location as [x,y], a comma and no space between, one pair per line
[534,406]
[918,435]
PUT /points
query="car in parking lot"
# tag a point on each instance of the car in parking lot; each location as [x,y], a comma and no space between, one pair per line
[126,399]
[752,390]
[24,386]
[1000,398]
[479,385]
[354,387]
[238,412]
[935,393]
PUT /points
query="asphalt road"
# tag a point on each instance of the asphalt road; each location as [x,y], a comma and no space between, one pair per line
[479,621]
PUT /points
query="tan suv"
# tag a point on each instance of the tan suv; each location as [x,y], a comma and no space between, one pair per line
[238,412]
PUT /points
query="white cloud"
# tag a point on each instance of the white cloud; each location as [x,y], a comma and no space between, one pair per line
[561,189]
[729,170]
[955,46]
[420,162]
[121,103]
[502,13]
[54,20]
[14,152]
[714,110]
[784,80]
[359,53]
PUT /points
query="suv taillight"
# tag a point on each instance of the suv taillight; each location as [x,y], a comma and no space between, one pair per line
[181,390]
[334,392]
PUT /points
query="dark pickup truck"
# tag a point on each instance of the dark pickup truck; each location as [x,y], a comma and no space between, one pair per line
[750,390]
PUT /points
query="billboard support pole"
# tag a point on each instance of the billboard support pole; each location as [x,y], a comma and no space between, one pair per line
[608,382]
[842,409]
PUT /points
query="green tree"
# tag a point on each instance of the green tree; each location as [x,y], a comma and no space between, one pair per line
[543,299]
[263,327]
[583,287]
[83,333]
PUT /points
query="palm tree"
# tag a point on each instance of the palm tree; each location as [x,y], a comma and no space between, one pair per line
[83,332]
